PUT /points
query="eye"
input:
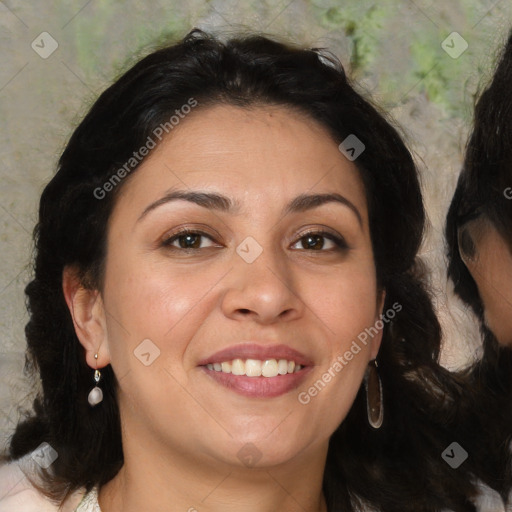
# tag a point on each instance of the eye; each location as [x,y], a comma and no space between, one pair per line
[315,241]
[187,239]
[467,246]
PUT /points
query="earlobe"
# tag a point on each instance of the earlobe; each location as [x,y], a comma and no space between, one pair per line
[87,311]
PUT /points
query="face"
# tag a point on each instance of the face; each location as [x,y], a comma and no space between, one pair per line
[275,270]
[489,261]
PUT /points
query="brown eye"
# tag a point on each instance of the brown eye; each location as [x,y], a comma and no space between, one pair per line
[312,242]
[191,240]
[316,241]
[466,244]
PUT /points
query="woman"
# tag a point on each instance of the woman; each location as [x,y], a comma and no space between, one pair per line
[479,225]
[479,236]
[226,311]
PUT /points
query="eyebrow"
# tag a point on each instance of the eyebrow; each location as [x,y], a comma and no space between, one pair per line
[222,203]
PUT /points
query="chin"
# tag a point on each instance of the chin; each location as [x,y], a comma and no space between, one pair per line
[505,339]
[266,453]
[502,335]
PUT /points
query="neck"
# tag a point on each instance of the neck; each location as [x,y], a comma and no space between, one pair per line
[156,477]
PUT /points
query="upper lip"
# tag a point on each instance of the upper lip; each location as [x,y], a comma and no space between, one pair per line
[256,351]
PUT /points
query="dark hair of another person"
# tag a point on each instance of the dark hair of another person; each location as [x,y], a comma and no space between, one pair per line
[399,466]
[484,187]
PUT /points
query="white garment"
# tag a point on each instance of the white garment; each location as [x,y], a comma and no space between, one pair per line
[489,500]
[18,495]
[89,502]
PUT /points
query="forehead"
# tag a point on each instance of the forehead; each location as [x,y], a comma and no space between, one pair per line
[264,152]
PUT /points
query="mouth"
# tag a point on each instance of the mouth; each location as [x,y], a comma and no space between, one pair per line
[258,371]
[256,368]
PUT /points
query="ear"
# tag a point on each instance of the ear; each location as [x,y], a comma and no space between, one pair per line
[377,339]
[89,319]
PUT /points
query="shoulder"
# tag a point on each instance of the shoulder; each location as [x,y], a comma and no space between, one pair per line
[488,500]
[17,494]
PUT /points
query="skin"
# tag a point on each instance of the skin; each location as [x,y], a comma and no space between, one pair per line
[181,430]
[491,268]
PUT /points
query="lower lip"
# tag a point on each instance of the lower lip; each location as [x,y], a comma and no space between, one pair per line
[259,387]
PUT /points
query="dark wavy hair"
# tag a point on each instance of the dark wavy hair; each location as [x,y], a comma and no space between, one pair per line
[481,187]
[399,466]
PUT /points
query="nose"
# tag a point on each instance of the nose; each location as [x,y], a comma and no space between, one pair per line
[264,291]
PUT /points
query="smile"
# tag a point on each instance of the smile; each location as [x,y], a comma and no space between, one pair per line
[256,368]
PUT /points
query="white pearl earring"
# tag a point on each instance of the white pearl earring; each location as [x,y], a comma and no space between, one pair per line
[96,394]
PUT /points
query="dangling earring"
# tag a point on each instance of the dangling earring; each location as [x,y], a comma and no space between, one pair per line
[96,394]
[374,402]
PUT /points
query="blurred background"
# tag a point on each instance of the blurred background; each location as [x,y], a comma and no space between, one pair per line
[422,61]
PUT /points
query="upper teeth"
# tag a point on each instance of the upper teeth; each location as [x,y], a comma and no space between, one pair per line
[255,367]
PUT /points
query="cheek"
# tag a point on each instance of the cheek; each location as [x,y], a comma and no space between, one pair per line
[153,304]
[155,315]
[346,301]
[497,300]
[493,275]
[347,309]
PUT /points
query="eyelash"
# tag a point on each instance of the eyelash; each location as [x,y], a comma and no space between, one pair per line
[340,243]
